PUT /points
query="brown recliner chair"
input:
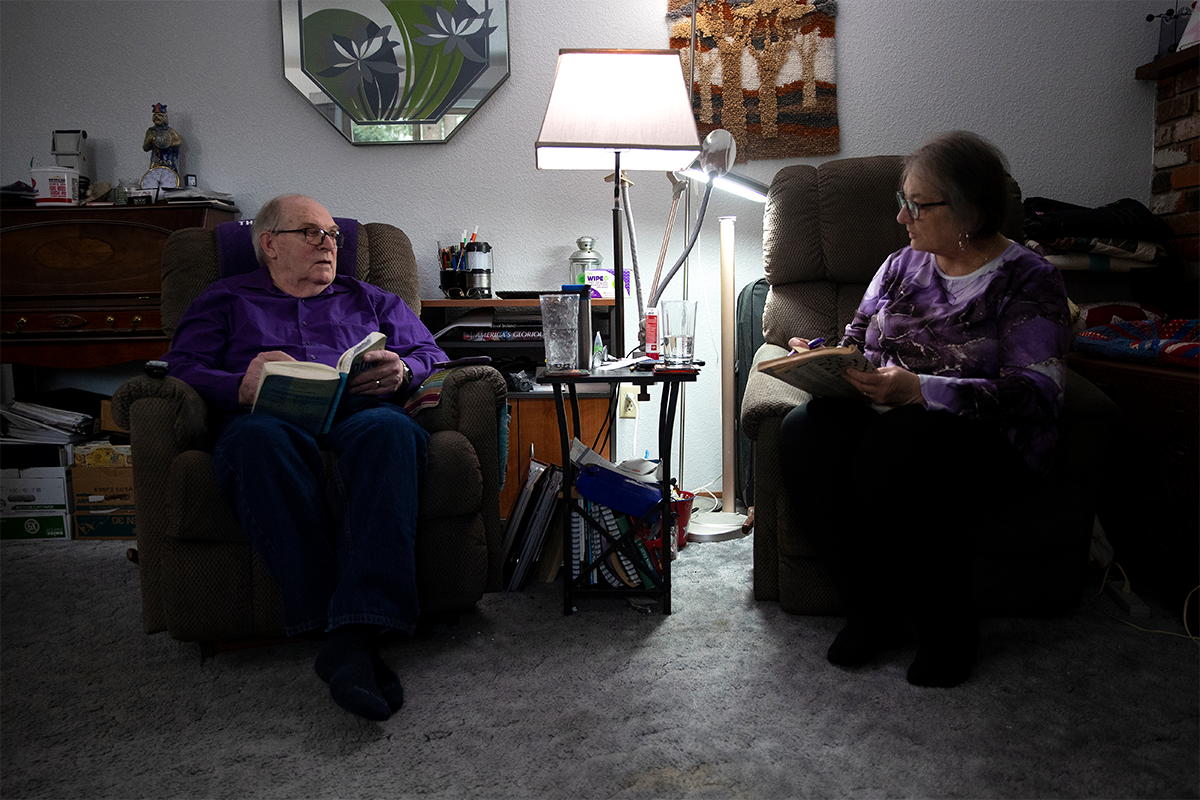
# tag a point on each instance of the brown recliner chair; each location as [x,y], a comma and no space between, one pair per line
[200,579]
[826,230]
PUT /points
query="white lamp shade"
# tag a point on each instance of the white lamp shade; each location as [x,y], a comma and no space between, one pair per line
[605,101]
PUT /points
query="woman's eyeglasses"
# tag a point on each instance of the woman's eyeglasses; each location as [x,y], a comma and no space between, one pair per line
[913,207]
[316,236]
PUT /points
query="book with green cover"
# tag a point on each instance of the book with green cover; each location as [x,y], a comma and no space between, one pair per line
[307,394]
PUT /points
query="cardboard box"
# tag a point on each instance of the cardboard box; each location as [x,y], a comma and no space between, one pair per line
[104,525]
[109,488]
[107,423]
[34,491]
[102,454]
[34,526]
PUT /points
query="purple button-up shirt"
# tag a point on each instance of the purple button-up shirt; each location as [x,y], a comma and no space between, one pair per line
[237,318]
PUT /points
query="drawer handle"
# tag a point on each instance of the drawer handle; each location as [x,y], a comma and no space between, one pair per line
[137,320]
[67,321]
[112,321]
[21,323]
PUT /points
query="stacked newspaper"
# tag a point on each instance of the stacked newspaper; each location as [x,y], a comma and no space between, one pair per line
[31,422]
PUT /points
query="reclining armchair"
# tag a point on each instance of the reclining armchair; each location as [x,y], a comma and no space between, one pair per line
[200,579]
[826,230]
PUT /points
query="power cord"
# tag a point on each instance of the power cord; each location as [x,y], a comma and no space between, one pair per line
[1126,589]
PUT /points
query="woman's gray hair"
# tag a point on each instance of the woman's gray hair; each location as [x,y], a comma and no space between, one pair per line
[268,219]
[972,176]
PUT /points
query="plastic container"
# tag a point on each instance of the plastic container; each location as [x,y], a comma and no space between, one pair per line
[56,186]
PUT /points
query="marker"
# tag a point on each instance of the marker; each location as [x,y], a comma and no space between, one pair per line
[475,233]
[817,342]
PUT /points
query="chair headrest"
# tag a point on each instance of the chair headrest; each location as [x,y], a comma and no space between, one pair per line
[235,247]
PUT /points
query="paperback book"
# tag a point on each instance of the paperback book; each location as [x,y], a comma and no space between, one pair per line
[307,394]
[820,372]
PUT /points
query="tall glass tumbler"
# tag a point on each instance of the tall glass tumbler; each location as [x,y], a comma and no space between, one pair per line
[677,324]
[560,331]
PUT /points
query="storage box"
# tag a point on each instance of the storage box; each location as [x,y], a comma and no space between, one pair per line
[107,423]
[102,454]
[34,491]
[56,186]
[109,488]
[35,526]
[104,525]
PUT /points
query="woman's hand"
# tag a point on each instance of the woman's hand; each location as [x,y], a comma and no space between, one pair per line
[888,386]
[798,344]
[383,377]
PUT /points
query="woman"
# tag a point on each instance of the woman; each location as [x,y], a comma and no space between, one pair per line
[969,331]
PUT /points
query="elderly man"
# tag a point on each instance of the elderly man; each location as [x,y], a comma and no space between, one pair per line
[349,570]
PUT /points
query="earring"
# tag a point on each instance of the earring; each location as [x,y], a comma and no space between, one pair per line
[961,236]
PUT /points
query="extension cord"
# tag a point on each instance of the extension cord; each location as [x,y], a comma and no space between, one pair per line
[1129,602]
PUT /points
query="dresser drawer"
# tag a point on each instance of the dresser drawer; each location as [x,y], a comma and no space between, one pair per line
[113,318]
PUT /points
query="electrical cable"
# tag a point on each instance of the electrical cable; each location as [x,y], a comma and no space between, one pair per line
[658,290]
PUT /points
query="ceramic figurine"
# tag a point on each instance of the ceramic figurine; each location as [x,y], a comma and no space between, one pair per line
[162,141]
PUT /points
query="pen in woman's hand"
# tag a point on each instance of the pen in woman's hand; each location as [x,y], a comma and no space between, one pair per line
[815,343]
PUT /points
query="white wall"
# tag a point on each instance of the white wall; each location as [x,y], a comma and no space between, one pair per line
[1049,81]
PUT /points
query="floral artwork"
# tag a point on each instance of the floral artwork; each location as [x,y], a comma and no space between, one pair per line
[396,61]
[764,71]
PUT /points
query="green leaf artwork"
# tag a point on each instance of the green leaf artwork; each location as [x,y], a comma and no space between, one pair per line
[411,71]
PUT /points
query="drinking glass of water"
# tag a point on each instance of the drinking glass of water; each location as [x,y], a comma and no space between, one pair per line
[677,322]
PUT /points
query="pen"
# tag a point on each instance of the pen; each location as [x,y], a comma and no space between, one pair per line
[817,342]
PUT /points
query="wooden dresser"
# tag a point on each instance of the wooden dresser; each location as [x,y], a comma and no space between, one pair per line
[80,286]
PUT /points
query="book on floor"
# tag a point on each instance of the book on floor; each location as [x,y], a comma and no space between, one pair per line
[307,394]
[820,372]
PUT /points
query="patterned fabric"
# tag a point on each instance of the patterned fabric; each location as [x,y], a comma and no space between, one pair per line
[989,345]
[786,104]
[1172,341]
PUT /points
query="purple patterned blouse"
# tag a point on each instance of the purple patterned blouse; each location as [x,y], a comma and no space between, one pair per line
[990,345]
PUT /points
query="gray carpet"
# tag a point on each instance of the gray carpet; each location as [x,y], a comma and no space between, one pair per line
[724,698]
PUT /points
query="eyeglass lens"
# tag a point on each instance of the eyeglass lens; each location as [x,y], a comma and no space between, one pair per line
[316,236]
[912,208]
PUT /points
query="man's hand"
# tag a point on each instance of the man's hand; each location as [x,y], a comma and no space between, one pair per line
[888,386]
[382,378]
[249,385]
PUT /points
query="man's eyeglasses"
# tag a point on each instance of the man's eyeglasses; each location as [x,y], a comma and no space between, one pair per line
[316,236]
[914,208]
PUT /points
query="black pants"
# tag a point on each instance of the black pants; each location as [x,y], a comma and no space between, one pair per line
[891,501]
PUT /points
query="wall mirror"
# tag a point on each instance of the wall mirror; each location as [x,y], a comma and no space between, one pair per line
[395,71]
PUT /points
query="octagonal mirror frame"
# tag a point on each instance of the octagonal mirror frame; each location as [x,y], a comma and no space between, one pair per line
[395,71]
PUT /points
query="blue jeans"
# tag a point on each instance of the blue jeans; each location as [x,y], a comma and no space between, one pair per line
[351,564]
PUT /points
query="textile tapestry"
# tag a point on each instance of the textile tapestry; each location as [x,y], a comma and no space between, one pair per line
[764,71]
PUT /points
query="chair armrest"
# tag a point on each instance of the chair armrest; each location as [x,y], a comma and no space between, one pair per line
[178,411]
[767,396]
[471,402]
[165,417]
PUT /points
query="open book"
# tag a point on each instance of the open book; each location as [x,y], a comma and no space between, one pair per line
[819,371]
[307,394]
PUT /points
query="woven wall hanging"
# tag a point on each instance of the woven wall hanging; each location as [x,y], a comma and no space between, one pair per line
[764,72]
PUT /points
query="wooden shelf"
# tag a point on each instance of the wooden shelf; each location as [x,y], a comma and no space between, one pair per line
[1169,65]
[495,302]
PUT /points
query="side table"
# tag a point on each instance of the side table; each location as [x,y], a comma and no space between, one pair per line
[671,382]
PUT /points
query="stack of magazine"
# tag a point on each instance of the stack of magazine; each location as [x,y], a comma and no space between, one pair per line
[31,422]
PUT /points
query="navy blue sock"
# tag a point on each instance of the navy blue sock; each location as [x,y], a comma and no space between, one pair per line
[346,661]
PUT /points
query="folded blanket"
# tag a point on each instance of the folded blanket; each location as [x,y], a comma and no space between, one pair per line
[1094,263]
[1047,220]
[1134,249]
[1174,341]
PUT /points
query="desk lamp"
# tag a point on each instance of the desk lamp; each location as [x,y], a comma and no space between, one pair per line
[625,108]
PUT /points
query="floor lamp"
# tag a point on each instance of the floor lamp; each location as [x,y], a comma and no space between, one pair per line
[624,108]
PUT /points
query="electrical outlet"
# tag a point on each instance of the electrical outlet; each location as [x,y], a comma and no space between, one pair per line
[627,406]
